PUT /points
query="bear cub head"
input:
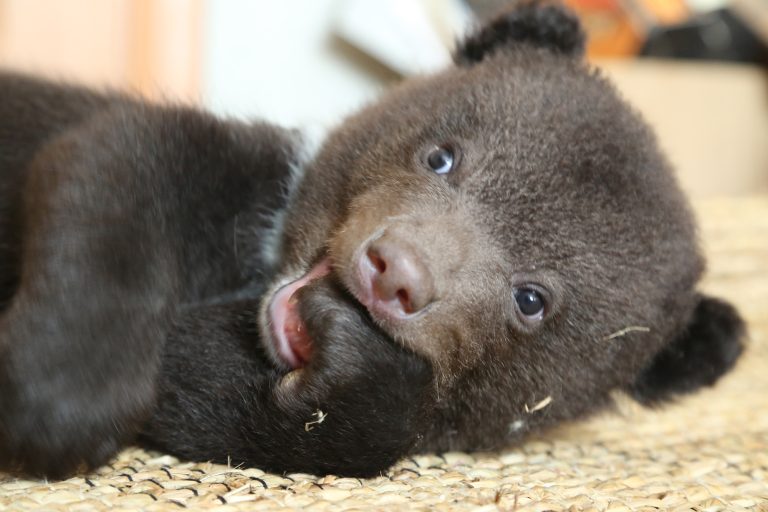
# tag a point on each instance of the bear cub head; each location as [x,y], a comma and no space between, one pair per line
[511,221]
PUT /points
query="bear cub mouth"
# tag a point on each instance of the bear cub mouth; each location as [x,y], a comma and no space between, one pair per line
[290,336]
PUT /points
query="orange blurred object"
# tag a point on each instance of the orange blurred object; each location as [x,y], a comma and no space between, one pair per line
[667,11]
[618,28]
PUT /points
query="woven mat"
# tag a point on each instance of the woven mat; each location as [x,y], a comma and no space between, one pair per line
[709,452]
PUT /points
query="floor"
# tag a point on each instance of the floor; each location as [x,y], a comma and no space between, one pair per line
[708,452]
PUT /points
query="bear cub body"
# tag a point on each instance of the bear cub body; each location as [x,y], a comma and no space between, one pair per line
[480,254]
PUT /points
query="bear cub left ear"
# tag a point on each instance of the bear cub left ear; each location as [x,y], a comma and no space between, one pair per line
[535,22]
[705,351]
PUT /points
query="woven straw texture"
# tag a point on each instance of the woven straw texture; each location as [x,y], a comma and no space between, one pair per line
[708,452]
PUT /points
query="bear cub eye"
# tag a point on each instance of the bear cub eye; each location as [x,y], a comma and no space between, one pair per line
[530,303]
[441,159]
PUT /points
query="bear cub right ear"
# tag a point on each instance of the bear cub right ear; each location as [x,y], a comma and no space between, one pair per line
[707,349]
[534,22]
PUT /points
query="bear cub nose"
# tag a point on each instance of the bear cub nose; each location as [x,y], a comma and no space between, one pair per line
[399,279]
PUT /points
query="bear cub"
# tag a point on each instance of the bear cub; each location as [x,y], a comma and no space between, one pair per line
[480,254]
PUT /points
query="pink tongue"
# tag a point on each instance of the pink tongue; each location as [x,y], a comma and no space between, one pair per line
[296,332]
[293,341]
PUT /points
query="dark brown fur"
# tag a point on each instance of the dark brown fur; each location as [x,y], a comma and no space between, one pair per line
[139,260]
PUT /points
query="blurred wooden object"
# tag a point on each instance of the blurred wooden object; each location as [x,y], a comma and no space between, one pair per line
[149,46]
[755,15]
[710,118]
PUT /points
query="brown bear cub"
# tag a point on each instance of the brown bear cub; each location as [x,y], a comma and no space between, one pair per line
[480,254]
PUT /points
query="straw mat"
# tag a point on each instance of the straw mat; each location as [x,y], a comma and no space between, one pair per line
[708,452]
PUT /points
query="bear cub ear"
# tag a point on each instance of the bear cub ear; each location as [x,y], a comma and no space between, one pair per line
[705,351]
[535,22]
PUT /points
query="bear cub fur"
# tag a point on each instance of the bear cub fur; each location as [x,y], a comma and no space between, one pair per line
[480,254]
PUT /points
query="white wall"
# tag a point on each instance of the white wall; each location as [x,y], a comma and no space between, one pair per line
[276,59]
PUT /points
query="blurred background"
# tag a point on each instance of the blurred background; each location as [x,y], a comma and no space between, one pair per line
[695,68]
